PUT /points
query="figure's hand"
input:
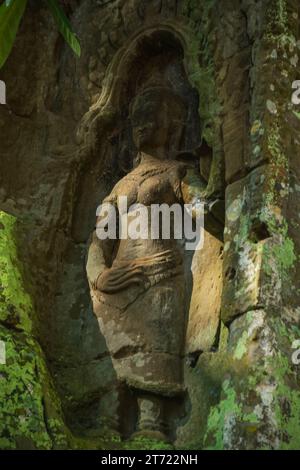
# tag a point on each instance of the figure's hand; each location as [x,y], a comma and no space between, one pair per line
[193,187]
[115,279]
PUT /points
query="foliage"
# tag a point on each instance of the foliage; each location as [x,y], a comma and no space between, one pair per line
[10,16]
[64,26]
[11,13]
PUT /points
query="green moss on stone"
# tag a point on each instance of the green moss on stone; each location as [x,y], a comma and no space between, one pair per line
[30,415]
[15,303]
[241,347]
[146,443]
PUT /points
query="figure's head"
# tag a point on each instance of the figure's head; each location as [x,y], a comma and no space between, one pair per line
[157,117]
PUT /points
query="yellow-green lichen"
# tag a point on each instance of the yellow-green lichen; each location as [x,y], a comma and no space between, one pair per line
[222,417]
[241,347]
[15,303]
[30,415]
[281,254]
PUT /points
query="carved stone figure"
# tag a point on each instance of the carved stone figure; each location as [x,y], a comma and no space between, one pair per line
[140,288]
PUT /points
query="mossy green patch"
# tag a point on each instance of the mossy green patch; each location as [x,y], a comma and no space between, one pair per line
[282,254]
[218,415]
[15,303]
[287,403]
[30,415]
[241,347]
[21,411]
[201,71]
[146,443]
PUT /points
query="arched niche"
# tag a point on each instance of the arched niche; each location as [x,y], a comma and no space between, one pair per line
[106,150]
[107,153]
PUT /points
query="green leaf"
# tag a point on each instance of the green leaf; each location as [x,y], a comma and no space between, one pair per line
[10,17]
[297,114]
[64,26]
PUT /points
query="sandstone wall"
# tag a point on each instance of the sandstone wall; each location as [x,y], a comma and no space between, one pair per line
[243,389]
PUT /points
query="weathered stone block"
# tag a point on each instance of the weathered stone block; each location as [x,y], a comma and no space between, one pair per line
[235,143]
[249,245]
[204,312]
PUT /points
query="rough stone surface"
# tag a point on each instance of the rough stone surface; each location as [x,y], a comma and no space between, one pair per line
[241,57]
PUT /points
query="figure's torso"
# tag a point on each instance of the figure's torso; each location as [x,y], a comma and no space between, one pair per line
[148,184]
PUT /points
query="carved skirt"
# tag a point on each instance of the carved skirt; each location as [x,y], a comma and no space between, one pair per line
[144,328]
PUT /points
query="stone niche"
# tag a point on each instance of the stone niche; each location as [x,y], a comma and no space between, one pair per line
[156,57]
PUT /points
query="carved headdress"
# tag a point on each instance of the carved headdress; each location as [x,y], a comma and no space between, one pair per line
[154,85]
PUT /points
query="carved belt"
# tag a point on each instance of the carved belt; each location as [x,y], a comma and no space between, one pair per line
[139,275]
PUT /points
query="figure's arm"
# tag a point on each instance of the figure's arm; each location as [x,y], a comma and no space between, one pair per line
[106,278]
[101,252]
[95,262]
[193,189]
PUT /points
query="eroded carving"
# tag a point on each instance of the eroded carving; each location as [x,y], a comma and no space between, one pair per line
[139,286]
